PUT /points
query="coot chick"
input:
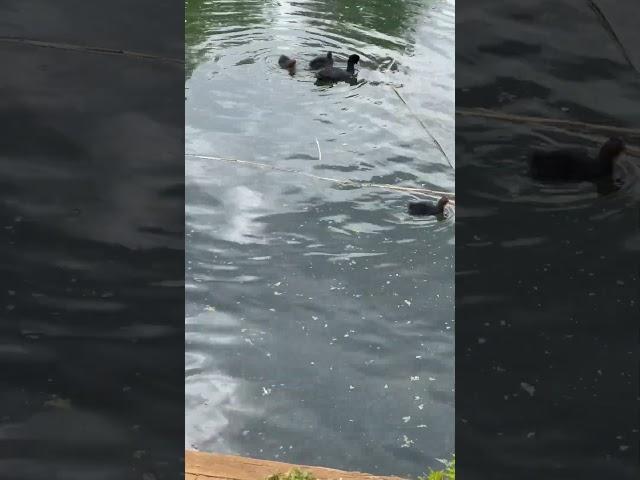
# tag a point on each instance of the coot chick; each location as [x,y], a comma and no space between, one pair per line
[333,74]
[286,62]
[321,62]
[576,165]
[428,208]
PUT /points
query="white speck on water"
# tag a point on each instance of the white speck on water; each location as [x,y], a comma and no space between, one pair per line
[421,406]
[531,434]
[406,442]
[482,340]
[266,391]
[530,389]
[406,419]
[408,303]
[414,379]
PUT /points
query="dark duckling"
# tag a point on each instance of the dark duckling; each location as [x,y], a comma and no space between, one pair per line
[333,74]
[321,62]
[576,165]
[286,62]
[426,208]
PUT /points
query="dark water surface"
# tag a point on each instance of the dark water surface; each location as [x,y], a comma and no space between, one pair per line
[319,320]
[547,275]
[92,238]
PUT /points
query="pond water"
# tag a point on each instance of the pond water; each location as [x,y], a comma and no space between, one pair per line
[319,318]
[546,275]
[92,241]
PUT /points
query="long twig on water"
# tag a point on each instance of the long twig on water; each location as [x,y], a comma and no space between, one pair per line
[435,141]
[319,151]
[345,183]
[545,121]
[604,21]
[90,49]
[557,124]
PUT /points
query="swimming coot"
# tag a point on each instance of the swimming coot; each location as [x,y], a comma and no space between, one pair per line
[576,165]
[321,62]
[333,74]
[428,208]
[286,62]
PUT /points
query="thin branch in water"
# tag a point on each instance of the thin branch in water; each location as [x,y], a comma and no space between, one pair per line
[345,183]
[572,126]
[609,28]
[89,49]
[569,124]
[319,151]
[435,141]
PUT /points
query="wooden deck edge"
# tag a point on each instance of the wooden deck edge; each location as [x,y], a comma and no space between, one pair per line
[205,466]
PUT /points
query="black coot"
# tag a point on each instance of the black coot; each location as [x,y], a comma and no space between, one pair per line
[426,208]
[333,74]
[286,62]
[576,165]
[321,62]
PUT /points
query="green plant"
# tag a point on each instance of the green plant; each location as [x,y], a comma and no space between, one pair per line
[294,474]
[449,472]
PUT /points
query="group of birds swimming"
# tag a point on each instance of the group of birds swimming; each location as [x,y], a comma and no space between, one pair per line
[326,72]
[555,165]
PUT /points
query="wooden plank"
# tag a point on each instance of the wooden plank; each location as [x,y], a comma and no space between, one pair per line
[207,466]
